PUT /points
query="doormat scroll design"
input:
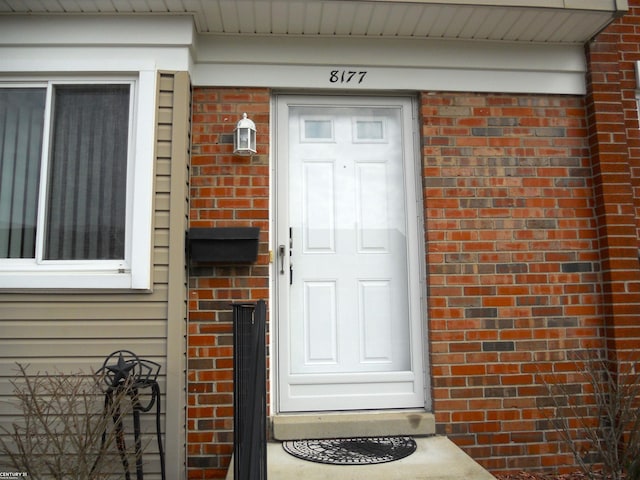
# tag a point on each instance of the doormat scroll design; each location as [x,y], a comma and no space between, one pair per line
[352,451]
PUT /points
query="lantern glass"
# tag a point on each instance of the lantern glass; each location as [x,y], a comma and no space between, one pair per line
[244,141]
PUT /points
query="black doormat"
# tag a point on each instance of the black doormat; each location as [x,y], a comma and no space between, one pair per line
[352,451]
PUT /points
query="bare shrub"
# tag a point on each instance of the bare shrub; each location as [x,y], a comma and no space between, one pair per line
[66,429]
[600,425]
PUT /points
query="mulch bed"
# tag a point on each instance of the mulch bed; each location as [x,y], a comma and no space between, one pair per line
[547,476]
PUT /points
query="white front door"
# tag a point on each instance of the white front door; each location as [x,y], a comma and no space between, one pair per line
[349,322]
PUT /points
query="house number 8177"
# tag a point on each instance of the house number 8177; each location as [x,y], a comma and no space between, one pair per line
[346,76]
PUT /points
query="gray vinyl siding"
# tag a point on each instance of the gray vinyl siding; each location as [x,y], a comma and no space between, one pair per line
[76,331]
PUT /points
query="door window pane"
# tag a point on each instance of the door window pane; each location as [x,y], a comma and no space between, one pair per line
[369,130]
[21,127]
[318,130]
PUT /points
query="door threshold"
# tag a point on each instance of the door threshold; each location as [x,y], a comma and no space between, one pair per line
[307,425]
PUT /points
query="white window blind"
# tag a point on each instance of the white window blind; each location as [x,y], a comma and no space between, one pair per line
[87,178]
[21,129]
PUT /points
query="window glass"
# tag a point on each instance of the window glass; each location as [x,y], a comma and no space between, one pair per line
[318,129]
[86,186]
[21,130]
[369,130]
[85,205]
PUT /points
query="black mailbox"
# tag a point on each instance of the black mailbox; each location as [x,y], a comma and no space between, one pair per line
[224,245]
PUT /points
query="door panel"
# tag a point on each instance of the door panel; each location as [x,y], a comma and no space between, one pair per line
[374,306]
[320,325]
[318,218]
[348,330]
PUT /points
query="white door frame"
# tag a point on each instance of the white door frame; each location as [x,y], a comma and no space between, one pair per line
[415,230]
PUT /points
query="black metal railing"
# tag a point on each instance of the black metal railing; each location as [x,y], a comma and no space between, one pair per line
[250,392]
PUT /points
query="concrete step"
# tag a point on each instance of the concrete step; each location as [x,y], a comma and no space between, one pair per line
[436,458]
[413,423]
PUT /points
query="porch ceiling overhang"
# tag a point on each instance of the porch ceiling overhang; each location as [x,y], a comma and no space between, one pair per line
[530,21]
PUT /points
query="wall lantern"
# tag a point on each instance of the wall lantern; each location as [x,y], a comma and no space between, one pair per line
[244,137]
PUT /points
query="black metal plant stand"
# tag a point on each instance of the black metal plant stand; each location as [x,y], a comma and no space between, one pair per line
[126,374]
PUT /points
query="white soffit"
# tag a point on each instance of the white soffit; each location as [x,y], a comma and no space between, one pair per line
[539,21]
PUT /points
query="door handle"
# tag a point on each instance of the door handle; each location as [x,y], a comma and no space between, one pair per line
[281,252]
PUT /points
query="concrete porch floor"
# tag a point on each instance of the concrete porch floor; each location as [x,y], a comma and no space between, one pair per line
[436,458]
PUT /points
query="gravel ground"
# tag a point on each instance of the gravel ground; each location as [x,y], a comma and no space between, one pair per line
[541,476]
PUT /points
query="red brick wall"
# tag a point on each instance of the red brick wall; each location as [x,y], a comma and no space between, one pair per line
[613,88]
[226,190]
[530,213]
[513,267]
[615,152]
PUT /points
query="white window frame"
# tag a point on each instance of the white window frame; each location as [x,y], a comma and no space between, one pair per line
[133,272]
